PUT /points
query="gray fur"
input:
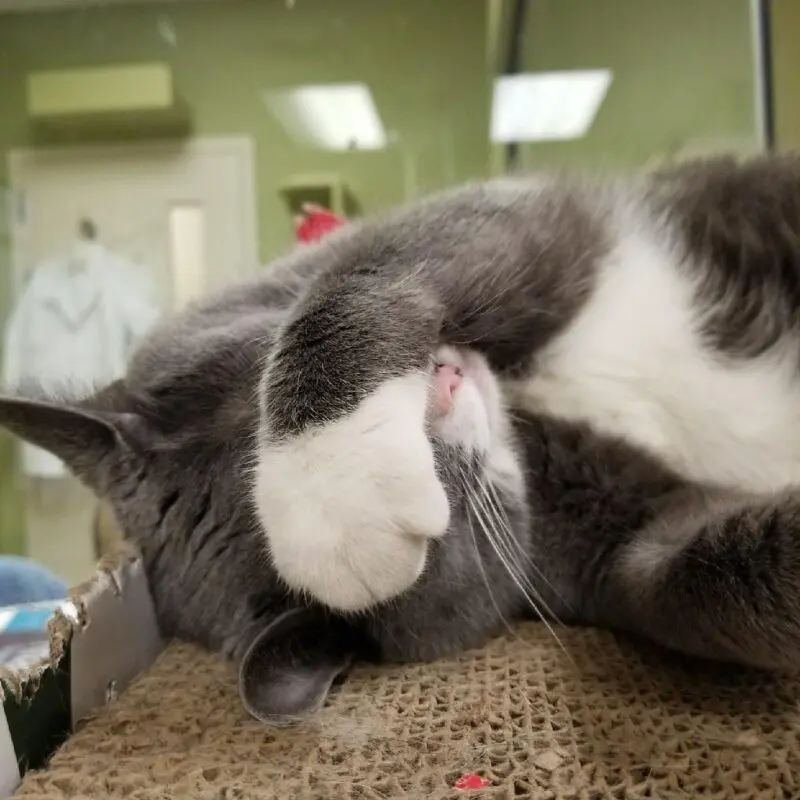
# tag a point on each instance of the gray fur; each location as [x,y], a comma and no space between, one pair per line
[502,267]
[742,222]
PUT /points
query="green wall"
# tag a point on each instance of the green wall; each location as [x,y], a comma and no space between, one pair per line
[786,72]
[11,530]
[683,71]
[424,61]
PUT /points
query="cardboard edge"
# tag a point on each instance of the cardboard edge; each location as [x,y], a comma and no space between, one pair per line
[103,637]
[36,703]
[117,637]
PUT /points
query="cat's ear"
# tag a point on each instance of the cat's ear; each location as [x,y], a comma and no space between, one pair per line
[80,437]
[289,668]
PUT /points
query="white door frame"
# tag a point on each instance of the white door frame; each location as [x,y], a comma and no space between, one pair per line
[241,148]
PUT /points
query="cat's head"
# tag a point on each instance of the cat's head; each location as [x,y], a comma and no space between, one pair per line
[171,450]
[169,458]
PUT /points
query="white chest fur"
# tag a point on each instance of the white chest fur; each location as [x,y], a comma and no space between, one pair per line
[633,365]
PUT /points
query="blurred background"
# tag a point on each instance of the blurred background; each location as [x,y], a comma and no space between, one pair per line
[150,151]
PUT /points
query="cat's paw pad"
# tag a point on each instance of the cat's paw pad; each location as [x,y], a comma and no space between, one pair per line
[348,509]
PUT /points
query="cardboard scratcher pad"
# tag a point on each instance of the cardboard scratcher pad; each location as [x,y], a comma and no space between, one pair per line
[606,721]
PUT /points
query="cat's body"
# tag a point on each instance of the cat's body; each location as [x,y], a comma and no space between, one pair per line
[290,442]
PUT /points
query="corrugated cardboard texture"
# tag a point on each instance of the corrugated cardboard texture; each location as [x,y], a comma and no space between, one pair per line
[608,720]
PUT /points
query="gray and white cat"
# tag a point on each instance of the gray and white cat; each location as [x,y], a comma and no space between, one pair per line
[572,398]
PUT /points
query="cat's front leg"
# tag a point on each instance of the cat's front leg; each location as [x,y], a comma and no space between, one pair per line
[348,507]
[345,482]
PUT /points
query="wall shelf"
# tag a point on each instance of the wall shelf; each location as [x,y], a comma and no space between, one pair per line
[328,190]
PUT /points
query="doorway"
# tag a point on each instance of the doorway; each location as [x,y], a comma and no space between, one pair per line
[184,213]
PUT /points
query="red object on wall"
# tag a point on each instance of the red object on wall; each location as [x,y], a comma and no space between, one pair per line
[315,223]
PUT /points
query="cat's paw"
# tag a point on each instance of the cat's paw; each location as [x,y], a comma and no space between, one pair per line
[349,508]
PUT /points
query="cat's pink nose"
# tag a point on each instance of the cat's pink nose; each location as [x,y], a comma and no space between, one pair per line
[446,380]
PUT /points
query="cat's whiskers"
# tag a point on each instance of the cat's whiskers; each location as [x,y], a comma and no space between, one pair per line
[479,561]
[501,530]
[514,542]
[488,525]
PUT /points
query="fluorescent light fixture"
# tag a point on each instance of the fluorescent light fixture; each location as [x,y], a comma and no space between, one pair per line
[547,106]
[338,116]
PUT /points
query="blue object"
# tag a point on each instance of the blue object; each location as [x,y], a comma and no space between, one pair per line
[29,619]
[24,581]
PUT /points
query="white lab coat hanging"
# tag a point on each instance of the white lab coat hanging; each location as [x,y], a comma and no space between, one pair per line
[73,328]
